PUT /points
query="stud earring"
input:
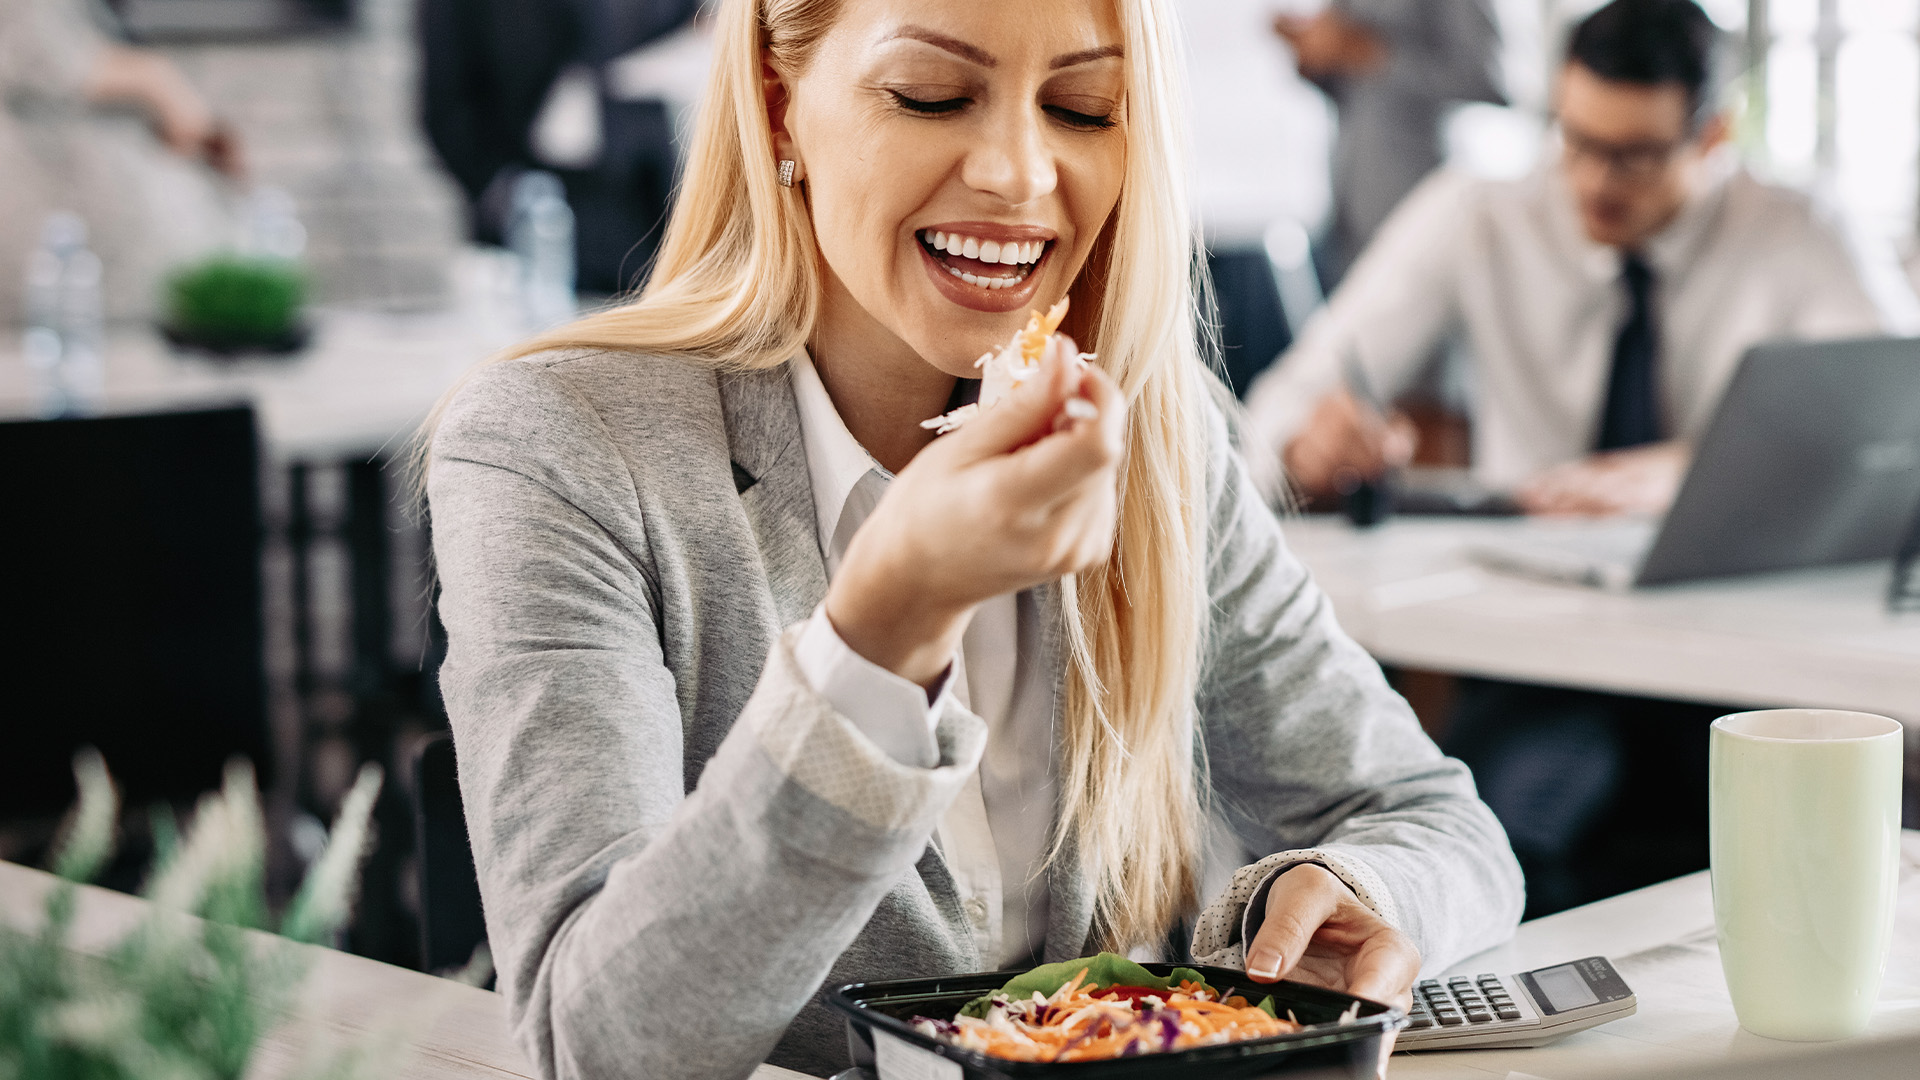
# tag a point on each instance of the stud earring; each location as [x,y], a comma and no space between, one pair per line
[786,172]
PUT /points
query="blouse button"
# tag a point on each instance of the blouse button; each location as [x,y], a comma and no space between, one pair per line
[976,910]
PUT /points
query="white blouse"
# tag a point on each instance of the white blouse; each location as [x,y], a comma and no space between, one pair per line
[995,835]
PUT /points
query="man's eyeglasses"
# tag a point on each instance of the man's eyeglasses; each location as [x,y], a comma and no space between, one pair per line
[1633,161]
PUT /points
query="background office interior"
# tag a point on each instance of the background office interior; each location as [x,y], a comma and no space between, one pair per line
[325,95]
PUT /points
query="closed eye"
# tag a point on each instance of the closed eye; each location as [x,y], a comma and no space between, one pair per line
[929,108]
[1079,119]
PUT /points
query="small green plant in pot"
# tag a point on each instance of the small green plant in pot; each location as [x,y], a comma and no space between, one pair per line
[177,998]
[231,304]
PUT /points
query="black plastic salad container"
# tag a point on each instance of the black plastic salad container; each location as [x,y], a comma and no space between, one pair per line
[1325,1047]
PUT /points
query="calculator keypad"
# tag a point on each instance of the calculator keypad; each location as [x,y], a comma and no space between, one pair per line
[1461,1001]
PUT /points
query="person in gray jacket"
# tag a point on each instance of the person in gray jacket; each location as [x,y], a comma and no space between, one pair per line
[1393,69]
[759,687]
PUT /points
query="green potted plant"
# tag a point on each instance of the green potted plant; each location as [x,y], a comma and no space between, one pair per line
[177,998]
[229,305]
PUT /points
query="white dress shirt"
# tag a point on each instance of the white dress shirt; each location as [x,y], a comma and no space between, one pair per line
[1540,305]
[995,836]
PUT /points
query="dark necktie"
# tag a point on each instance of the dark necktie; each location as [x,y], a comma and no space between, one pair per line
[1631,414]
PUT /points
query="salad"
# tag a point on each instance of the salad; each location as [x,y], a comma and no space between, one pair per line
[1104,1006]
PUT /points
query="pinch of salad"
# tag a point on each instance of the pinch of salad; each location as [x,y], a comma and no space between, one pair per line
[1011,365]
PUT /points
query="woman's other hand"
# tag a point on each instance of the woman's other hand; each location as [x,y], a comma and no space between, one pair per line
[1025,492]
[1316,931]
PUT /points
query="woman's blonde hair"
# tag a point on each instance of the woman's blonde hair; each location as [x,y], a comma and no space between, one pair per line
[737,283]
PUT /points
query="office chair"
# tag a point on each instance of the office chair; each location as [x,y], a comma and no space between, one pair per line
[451,922]
[130,604]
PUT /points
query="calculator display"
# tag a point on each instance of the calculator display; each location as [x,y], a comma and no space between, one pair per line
[1563,987]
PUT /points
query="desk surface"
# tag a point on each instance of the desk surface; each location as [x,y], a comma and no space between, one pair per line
[1818,638]
[455,1032]
[1660,938]
[364,384]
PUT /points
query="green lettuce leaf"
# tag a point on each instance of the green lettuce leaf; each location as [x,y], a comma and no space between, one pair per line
[1106,969]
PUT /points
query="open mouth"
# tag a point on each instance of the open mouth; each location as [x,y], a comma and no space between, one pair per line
[982,263]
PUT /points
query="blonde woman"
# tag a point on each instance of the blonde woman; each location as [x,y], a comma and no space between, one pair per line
[759,687]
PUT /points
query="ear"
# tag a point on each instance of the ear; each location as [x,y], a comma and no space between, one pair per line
[773,87]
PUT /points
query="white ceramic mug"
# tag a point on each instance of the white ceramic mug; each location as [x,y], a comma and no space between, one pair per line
[1804,813]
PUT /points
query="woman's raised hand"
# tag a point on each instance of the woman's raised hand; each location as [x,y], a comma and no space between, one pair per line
[1025,492]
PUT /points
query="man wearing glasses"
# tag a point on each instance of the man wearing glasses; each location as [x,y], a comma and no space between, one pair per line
[1604,300]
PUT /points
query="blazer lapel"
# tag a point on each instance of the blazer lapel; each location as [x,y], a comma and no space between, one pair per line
[776,491]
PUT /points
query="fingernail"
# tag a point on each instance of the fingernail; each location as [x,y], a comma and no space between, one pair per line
[1265,967]
[1079,408]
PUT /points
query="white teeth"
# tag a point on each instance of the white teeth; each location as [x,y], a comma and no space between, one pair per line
[979,281]
[1003,253]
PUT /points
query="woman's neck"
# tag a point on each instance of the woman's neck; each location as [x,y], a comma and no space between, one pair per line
[881,388]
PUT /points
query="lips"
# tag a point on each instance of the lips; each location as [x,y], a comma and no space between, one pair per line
[984,266]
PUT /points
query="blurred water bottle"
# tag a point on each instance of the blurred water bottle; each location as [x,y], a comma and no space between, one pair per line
[269,226]
[65,338]
[540,234]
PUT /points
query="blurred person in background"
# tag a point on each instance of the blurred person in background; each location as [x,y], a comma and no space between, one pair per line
[115,134]
[1607,300]
[1393,69]
[513,85]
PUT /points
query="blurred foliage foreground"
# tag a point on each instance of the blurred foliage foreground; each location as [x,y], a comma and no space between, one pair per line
[177,998]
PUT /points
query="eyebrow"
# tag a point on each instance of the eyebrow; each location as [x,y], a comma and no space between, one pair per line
[980,56]
[1083,56]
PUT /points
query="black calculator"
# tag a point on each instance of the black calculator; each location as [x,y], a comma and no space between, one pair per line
[1532,1008]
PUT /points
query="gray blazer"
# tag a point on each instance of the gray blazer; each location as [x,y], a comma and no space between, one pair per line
[680,844]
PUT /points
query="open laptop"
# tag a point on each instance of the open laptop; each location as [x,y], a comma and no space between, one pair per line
[1812,458]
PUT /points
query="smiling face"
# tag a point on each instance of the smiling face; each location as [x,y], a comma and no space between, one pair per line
[960,159]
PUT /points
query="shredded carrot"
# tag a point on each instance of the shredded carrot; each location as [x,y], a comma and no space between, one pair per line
[1075,1024]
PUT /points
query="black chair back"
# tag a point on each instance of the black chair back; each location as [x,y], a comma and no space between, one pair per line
[130,604]
[451,923]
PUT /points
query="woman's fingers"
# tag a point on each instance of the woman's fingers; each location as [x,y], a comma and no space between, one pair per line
[1383,968]
[1087,444]
[1299,902]
[1311,916]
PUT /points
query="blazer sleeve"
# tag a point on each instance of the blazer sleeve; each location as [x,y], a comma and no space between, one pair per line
[1311,753]
[615,898]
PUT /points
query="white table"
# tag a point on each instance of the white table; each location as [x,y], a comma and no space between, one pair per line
[440,1030]
[1819,638]
[1661,940]
[363,385]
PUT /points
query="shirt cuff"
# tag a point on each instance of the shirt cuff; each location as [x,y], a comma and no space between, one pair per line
[896,715]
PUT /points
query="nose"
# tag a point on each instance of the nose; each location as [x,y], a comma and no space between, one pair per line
[1012,159]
